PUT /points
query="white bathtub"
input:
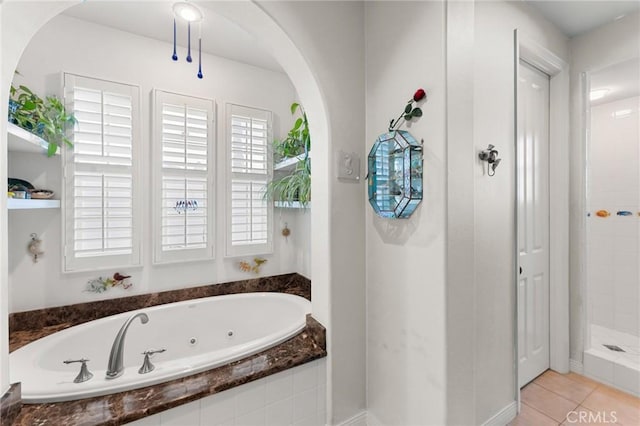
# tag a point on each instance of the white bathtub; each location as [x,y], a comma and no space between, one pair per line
[197,334]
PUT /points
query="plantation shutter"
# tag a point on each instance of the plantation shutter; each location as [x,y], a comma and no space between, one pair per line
[184,165]
[100,175]
[249,214]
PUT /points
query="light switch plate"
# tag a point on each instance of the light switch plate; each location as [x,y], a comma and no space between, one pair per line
[348,166]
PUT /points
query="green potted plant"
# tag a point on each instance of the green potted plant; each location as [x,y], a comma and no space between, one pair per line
[45,118]
[295,186]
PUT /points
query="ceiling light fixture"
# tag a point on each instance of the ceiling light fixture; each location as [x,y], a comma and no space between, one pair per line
[596,94]
[187,11]
[190,13]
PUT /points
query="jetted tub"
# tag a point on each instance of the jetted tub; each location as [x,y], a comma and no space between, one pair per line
[198,335]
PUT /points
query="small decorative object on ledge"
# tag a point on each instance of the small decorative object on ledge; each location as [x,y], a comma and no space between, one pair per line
[286,231]
[34,247]
[395,167]
[255,267]
[100,284]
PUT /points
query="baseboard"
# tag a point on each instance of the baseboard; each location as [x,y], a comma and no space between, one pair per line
[504,416]
[359,419]
[576,366]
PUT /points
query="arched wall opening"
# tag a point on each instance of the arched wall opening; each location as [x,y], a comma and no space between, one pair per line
[22,20]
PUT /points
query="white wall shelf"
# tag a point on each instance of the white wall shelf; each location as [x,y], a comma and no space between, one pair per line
[288,164]
[22,204]
[21,140]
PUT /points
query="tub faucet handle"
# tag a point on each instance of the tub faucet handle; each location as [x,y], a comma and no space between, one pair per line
[84,373]
[147,366]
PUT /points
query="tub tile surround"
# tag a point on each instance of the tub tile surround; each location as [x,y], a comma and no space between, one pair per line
[124,407]
[293,397]
[27,326]
[10,404]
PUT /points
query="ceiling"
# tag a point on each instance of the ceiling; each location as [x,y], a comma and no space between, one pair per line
[154,19]
[581,16]
[620,81]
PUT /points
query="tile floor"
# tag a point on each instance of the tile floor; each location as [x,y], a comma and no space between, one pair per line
[571,399]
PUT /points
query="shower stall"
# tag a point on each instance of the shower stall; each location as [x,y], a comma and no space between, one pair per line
[612,326]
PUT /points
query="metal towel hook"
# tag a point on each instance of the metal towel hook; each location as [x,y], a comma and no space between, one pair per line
[490,155]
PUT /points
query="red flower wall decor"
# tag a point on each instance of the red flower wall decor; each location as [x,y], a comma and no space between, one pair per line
[410,111]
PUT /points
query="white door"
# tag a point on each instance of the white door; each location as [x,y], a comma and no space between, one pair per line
[533,223]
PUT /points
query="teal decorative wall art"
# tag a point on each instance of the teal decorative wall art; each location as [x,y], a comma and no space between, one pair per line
[395,174]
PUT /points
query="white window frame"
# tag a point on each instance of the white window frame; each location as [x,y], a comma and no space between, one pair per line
[71,263]
[247,249]
[161,256]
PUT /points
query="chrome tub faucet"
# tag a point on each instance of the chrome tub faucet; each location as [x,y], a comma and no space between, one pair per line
[115,368]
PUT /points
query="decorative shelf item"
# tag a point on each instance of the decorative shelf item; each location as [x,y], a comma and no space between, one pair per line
[395,166]
[395,174]
[24,204]
[101,284]
[21,140]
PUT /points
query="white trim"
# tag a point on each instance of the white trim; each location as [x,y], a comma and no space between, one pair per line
[503,416]
[73,265]
[558,71]
[160,257]
[576,366]
[232,251]
[359,419]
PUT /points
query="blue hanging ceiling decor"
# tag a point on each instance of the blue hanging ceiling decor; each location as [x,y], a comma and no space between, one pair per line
[189,13]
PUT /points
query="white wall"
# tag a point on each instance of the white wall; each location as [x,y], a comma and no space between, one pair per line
[330,35]
[613,249]
[610,44]
[406,258]
[102,52]
[495,196]
[292,397]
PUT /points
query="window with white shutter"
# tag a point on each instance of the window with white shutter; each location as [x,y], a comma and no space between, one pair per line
[249,162]
[183,171]
[101,228]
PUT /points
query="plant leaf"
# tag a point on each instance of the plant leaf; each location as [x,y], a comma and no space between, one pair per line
[407,117]
[298,124]
[407,109]
[417,112]
[51,151]
[294,107]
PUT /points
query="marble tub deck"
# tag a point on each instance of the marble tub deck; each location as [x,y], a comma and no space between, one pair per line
[124,407]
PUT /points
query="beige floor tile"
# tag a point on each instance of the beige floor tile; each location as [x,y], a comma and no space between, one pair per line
[618,394]
[582,379]
[531,417]
[582,416]
[547,402]
[625,407]
[563,386]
